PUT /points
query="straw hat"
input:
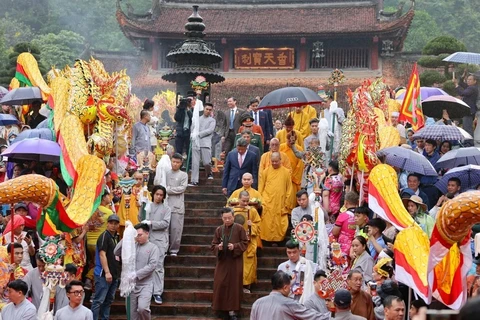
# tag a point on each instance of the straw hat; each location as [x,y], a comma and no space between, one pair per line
[415,199]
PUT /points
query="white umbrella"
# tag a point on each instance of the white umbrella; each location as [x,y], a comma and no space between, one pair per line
[464,57]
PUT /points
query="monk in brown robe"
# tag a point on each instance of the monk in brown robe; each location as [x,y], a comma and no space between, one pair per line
[229,243]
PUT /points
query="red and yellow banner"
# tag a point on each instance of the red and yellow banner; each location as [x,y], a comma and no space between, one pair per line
[264,58]
[411,110]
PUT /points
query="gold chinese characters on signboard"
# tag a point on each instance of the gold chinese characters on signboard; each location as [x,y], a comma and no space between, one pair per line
[264,58]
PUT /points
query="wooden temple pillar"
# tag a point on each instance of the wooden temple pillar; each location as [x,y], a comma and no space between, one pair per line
[374,54]
[155,52]
[226,55]
[303,55]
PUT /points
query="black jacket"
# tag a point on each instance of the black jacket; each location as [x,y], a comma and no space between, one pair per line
[180,118]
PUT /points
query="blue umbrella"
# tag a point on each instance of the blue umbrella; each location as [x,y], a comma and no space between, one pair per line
[469,177]
[408,160]
[42,133]
[458,157]
[21,96]
[8,119]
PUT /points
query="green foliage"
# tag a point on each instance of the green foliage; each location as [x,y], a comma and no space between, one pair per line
[59,49]
[15,31]
[423,29]
[457,18]
[449,87]
[7,72]
[443,44]
[429,61]
[429,77]
[438,49]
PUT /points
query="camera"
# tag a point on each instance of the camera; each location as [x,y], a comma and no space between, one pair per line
[183,103]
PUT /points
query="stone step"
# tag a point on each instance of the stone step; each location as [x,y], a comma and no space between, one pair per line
[201,197]
[202,221]
[200,229]
[181,309]
[215,204]
[202,212]
[196,260]
[205,188]
[154,317]
[205,296]
[206,284]
[204,250]
[192,271]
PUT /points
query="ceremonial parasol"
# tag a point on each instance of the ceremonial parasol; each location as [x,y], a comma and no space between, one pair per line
[425,92]
[458,157]
[8,119]
[33,150]
[441,132]
[21,96]
[464,57]
[433,107]
[408,160]
[290,97]
[469,177]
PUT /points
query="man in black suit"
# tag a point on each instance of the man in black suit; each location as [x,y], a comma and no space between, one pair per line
[237,163]
[233,119]
[260,118]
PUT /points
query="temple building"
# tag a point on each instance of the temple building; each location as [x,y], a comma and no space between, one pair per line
[288,42]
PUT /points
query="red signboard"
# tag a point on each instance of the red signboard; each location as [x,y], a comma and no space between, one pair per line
[264,58]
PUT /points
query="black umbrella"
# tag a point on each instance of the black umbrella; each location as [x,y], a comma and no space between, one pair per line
[21,96]
[433,107]
[290,97]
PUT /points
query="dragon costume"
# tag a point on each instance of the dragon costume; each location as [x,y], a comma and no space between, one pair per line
[85,100]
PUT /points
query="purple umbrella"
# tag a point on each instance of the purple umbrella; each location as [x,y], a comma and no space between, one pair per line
[433,107]
[426,92]
[33,150]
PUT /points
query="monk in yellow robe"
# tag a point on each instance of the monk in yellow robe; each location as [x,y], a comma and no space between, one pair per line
[275,187]
[302,116]
[251,223]
[289,127]
[265,159]
[247,181]
[311,111]
[297,168]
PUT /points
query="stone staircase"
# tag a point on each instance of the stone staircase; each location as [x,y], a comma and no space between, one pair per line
[189,276]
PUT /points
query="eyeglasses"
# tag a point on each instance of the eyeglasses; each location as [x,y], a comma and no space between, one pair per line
[78,293]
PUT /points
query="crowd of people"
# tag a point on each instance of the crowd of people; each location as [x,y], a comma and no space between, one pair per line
[267,177]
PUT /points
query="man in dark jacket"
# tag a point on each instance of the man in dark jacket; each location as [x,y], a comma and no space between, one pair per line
[469,93]
[183,118]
